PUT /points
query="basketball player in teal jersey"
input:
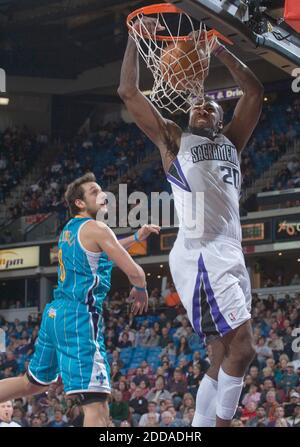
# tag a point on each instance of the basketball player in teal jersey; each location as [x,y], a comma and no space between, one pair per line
[71,341]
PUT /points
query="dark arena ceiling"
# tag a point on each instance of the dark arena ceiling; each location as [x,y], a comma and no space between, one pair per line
[63,38]
[52,38]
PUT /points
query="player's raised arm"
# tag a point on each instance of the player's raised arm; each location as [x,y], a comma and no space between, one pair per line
[161,132]
[248,108]
[107,241]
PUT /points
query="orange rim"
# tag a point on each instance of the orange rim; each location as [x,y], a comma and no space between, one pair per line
[172,9]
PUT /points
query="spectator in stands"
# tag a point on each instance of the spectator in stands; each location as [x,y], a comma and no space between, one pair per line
[249,411]
[290,405]
[165,338]
[189,416]
[123,388]
[115,373]
[183,348]
[193,379]
[276,344]
[148,417]
[151,420]
[19,416]
[169,351]
[278,420]
[159,392]
[153,339]
[166,419]
[166,369]
[35,421]
[58,420]
[44,418]
[10,364]
[259,420]
[125,342]
[294,420]
[252,396]
[172,299]
[177,420]
[6,413]
[140,377]
[177,387]
[183,330]
[116,358]
[188,402]
[263,351]
[142,337]
[130,332]
[270,405]
[138,406]
[236,423]
[119,410]
[289,379]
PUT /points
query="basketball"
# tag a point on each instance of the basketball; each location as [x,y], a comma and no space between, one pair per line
[182,63]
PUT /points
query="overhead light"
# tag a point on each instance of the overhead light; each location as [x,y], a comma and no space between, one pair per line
[298,260]
[4,101]
[148,274]
[161,266]
[265,99]
[158,276]
[280,254]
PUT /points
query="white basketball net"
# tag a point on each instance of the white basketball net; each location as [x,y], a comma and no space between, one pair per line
[173,90]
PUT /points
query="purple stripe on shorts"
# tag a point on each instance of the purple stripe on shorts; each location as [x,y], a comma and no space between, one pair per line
[219,320]
[196,306]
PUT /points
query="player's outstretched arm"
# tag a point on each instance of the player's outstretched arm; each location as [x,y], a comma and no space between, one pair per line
[249,106]
[107,242]
[141,235]
[161,132]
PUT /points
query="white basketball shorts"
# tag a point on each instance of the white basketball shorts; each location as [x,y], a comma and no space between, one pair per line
[213,284]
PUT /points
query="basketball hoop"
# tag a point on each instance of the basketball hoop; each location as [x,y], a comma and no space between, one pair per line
[179,58]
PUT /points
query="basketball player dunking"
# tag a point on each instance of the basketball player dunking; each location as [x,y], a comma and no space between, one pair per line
[209,272]
[71,340]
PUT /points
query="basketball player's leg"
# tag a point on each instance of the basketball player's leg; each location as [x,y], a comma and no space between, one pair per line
[42,369]
[206,399]
[239,352]
[17,387]
[82,362]
[96,410]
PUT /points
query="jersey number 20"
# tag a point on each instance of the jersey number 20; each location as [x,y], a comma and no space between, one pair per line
[232,176]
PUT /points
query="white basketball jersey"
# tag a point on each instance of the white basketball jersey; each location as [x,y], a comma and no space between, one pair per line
[206,182]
